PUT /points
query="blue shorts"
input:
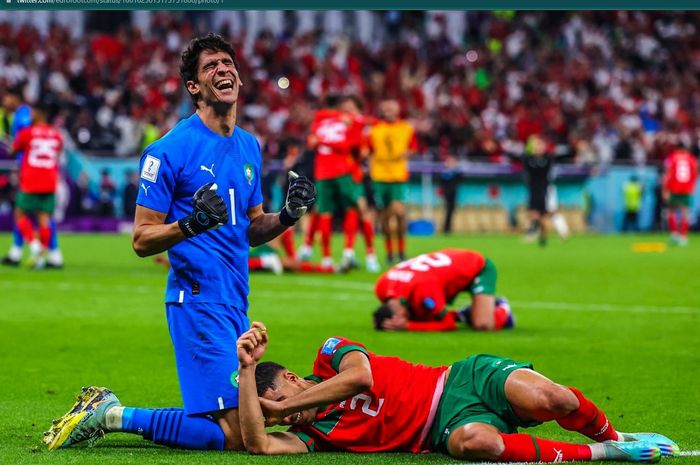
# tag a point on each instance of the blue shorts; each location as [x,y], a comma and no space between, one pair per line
[204,337]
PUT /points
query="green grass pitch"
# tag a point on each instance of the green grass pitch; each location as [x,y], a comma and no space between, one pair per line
[621,326]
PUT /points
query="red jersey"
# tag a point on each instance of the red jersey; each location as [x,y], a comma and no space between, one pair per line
[361,135]
[41,146]
[430,281]
[681,173]
[394,415]
[336,135]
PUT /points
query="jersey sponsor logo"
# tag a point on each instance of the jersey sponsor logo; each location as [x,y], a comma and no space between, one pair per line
[145,188]
[234,378]
[329,346]
[249,173]
[150,168]
[210,170]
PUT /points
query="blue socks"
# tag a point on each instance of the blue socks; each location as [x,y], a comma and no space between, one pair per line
[173,428]
[17,238]
[53,242]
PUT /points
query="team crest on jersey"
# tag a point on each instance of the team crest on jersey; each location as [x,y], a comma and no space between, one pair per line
[329,346]
[150,168]
[249,173]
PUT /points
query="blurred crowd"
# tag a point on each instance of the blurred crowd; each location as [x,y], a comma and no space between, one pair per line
[600,87]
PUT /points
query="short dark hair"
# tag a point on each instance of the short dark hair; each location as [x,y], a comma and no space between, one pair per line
[265,376]
[42,107]
[333,100]
[381,314]
[190,57]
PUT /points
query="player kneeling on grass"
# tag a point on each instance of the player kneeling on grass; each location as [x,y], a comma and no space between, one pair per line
[415,293]
[358,401]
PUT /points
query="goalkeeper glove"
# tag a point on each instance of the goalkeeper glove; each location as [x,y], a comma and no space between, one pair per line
[301,196]
[209,212]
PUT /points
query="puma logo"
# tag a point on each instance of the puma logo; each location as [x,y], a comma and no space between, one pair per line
[145,188]
[210,170]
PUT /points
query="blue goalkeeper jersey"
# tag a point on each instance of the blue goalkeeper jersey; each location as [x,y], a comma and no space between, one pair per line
[212,266]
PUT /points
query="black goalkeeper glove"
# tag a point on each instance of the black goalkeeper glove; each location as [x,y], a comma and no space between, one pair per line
[301,196]
[209,212]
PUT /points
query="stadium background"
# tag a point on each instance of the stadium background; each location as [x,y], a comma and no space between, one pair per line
[615,89]
[610,90]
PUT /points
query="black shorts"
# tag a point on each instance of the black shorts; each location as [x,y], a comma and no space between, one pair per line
[538,200]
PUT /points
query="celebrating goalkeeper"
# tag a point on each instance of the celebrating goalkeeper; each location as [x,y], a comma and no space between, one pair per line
[199,199]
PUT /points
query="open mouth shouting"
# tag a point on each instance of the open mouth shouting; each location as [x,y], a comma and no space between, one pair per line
[224,84]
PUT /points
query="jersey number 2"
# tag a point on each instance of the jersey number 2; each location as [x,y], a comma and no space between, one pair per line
[427,261]
[366,404]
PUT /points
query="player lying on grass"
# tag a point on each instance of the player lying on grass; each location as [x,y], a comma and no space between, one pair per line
[415,293]
[269,257]
[358,401]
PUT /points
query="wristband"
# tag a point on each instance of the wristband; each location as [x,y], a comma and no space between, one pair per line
[286,219]
[195,223]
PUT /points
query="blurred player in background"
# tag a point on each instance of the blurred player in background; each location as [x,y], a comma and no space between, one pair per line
[353,106]
[393,142]
[270,257]
[40,146]
[537,164]
[19,117]
[678,186]
[415,294]
[334,135]
[358,401]
[207,237]
[632,192]
[561,227]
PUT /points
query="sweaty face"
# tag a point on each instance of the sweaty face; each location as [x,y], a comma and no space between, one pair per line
[285,388]
[217,78]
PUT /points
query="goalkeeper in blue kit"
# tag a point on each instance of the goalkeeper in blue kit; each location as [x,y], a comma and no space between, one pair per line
[199,199]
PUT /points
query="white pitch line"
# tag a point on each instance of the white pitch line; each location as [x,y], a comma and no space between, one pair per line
[301,280]
[349,295]
[690,453]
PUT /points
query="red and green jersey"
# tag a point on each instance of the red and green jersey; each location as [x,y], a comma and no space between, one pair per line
[336,135]
[394,415]
[681,173]
[361,134]
[428,282]
[41,146]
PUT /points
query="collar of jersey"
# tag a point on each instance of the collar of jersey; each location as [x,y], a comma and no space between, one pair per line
[197,121]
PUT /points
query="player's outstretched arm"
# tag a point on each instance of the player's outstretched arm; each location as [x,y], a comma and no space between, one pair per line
[255,439]
[354,376]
